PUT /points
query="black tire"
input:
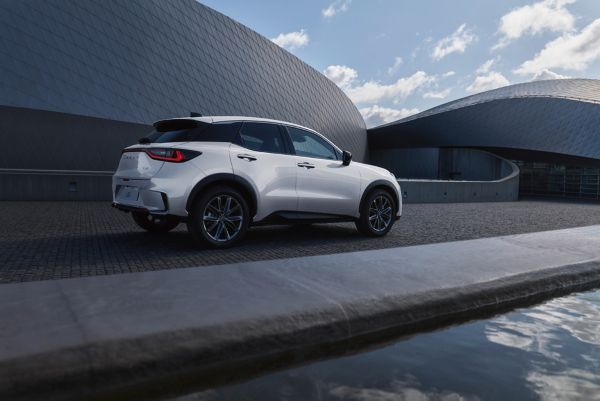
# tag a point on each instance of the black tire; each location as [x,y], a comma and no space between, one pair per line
[212,227]
[382,223]
[154,224]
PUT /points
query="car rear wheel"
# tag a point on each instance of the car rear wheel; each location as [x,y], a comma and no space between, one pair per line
[219,217]
[154,224]
[376,214]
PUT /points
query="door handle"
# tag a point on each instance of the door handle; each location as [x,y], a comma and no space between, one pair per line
[249,158]
[307,165]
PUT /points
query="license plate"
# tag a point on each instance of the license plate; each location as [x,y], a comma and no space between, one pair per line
[129,194]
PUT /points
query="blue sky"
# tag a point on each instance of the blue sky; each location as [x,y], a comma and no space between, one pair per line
[397,57]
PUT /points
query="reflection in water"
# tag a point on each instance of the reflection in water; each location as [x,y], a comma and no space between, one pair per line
[558,330]
[548,352]
[535,329]
[408,390]
[570,384]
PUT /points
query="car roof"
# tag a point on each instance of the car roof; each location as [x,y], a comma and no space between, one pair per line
[219,119]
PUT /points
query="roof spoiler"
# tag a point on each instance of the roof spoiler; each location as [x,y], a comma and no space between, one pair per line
[175,124]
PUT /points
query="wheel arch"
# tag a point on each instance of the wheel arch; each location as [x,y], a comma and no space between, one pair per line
[386,186]
[229,179]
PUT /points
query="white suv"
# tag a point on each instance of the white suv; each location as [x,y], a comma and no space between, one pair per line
[221,175]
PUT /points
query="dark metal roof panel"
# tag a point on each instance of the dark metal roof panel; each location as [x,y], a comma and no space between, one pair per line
[145,60]
[584,90]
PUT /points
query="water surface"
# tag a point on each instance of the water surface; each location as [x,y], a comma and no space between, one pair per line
[547,352]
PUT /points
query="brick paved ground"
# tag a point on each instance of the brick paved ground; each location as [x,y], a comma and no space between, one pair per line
[49,240]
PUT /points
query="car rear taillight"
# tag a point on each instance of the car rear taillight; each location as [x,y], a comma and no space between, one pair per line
[167,154]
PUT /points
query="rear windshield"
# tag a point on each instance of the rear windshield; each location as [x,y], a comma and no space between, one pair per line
[192,131]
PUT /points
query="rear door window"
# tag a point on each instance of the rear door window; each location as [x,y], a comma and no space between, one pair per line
[262,137]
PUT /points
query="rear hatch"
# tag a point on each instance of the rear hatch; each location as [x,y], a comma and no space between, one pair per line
[135,162]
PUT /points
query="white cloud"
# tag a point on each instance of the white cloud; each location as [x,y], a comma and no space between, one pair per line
[377,115]
[571,51]
[394,68]
[292,40]
[437,95]
[341,75]
[372,91]
[455,43]
[490,81]
[486,67]
[547,74]
[448,74]
[336,7]
[533,19]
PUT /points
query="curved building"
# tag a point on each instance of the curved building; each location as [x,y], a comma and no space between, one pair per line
[550,128]
[82,79]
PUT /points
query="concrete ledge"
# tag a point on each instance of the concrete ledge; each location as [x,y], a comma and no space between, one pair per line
[79,336]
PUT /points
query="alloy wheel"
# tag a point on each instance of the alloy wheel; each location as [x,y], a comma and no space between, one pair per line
[380,213]
[223,218]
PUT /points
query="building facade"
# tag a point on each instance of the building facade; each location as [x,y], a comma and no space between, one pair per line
[549,128]
[83,79]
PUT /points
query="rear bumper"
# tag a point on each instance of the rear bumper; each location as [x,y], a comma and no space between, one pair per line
[164,194]
[139,209]
[135,209]
[139,195]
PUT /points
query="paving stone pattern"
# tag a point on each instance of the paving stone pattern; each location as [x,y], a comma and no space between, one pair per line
[52,240]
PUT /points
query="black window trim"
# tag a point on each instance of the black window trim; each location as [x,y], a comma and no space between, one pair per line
[336,151]
[284,140]
[194,125]
[287,140]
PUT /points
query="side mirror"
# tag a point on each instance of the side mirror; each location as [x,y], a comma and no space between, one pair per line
[346,157]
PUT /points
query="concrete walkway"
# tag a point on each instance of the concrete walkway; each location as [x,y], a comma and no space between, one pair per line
[94,333]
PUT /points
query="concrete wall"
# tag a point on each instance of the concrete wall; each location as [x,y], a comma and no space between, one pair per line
[438,191]
[450,175]
[502,183]
[58,156]
[446,163]
[441,191]
[39,185]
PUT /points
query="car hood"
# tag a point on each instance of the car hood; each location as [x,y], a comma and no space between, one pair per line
[374,169]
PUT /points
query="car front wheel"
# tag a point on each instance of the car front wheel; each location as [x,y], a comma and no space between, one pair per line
[376,214]
[219,217]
